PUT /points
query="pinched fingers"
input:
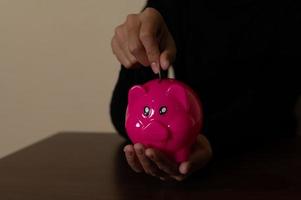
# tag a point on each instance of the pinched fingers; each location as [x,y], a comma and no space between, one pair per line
[144,39]
[120,49]
[135,47]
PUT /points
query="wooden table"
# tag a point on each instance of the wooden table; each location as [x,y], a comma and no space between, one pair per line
[91,166]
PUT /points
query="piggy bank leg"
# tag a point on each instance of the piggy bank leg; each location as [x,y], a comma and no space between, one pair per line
[182,155]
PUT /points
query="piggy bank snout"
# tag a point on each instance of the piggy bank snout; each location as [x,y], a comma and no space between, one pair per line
[156,132]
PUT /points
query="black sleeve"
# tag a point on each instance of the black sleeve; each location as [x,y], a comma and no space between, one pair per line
[258,117]
[267,110]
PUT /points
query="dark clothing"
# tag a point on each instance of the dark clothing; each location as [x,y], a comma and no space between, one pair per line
[241,58]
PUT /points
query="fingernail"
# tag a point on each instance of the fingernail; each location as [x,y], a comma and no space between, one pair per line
[186,169]
[155,67]
[165,64]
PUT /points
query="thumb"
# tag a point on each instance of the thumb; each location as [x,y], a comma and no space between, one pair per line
[200,155]
[197,161]
[168,55]
[148,38]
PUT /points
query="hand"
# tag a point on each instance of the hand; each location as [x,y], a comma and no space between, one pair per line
[144,38]
[155,163]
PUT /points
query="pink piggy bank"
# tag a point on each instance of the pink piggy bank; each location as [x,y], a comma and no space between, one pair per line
[166,115]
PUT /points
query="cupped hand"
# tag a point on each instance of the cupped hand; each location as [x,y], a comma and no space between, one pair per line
[155,163]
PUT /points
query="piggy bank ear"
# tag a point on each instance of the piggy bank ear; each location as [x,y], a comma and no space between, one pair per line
[135,92]
[178,93]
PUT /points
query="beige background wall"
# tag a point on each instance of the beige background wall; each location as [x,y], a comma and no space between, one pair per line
[57,70]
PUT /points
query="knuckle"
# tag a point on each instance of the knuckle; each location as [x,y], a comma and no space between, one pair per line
[119,31]
[131,17]
[133,61]
[152,12]
[146,36]
[149,10]
[130,63]
[127,64]
[134,48]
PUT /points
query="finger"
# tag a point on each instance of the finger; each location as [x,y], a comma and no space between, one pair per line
[120,54]
[166,178]
[148,166]
[132,158]
[182,168]
[169,54]
[197,161]
[179,177]
[198,158]
[122,43]
[132,59]
[135,46]
[162,161]
[165,60]
[148,38]
[185,168]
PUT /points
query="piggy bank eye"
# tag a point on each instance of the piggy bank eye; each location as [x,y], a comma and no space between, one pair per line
[163,110]
[146,111]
